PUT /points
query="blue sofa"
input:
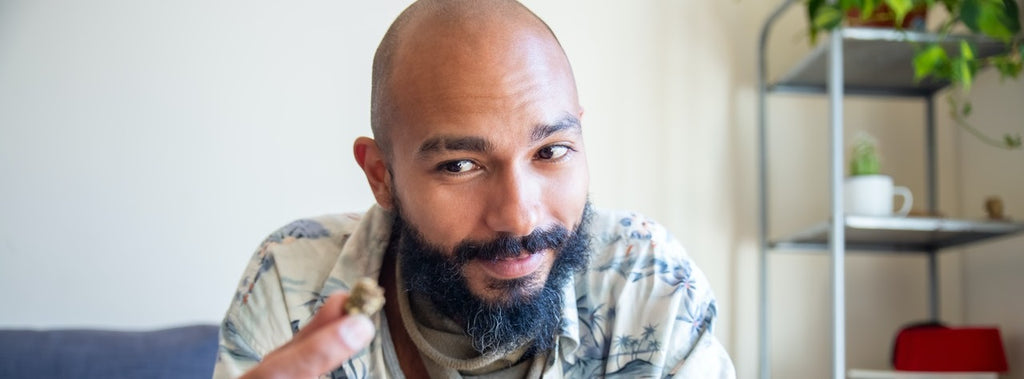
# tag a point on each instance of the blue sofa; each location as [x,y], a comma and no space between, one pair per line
[178,353]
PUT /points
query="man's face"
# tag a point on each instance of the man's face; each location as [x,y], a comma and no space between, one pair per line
[488,145]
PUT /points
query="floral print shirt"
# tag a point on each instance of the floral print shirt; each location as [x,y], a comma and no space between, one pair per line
[642,308]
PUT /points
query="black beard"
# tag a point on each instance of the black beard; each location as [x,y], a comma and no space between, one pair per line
[525,313]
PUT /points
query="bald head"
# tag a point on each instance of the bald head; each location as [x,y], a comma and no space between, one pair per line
[435,44]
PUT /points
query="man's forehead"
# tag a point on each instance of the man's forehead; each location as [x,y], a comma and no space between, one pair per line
[475,76]
[435,63]
[504,100]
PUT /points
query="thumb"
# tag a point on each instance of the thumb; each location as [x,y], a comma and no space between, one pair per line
[326,348]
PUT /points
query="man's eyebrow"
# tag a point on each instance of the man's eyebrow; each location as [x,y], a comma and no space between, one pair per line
[543,131]
[436,144]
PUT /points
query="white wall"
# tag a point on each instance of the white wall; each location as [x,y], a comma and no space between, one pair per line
[147,147]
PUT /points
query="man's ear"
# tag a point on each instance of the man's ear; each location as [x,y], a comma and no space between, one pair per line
[371,159]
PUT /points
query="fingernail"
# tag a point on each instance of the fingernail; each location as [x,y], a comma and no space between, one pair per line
[357,331]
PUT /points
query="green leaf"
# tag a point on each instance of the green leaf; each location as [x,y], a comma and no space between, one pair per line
[828,18]
[1007,142]
[900,8]
[867,8]
[951,5]
[966,111]
[966,51]
[962,73]
[969,13]
[1012,141]
[812,11]
[991,17]
[1007,66]
[965,66]
[1012,14]
[928,61]
[812,8]
[846,5]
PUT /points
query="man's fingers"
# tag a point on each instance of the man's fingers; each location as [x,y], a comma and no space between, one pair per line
[328,340]
[332,310]
[325,348]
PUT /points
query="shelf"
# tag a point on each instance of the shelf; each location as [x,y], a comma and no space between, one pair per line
[871,62]
[912,234]
[877,62]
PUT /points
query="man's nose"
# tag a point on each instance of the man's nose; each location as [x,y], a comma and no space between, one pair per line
[514,203]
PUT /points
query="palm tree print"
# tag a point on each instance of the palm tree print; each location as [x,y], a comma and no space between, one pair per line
[628,345]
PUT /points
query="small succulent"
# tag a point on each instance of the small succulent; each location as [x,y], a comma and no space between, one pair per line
[864,156]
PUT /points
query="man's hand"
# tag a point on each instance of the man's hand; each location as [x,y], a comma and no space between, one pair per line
[330,338]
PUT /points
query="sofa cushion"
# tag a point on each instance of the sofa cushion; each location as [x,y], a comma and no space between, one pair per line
[182,352]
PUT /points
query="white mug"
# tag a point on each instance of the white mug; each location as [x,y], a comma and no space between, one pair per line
[871,195]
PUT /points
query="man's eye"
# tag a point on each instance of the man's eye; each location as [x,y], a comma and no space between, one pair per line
[457,167]
[553,152]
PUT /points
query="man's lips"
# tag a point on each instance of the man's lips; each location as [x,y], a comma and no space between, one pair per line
[513,268]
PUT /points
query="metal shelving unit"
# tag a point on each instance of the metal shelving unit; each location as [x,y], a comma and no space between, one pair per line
[877,62]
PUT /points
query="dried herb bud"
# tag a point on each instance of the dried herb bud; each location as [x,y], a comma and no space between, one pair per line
[366,298]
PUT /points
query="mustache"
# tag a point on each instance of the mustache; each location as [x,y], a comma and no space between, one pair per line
[506,245]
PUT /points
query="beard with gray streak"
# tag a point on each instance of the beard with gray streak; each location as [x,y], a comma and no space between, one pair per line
[527,312]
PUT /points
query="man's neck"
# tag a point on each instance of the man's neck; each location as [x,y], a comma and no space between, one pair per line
[408,355]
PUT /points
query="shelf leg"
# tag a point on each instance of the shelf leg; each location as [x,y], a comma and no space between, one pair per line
[931,145]
[933,285]
[836,237]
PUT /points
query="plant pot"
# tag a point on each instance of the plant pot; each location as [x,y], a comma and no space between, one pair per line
[883,17]
[872,195]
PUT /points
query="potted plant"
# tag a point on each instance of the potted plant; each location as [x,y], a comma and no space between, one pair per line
[881,15]
[996,19]
[868,192]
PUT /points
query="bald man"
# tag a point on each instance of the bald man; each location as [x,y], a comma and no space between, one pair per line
[493,261]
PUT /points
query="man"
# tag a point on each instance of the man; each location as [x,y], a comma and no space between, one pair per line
[492,260]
